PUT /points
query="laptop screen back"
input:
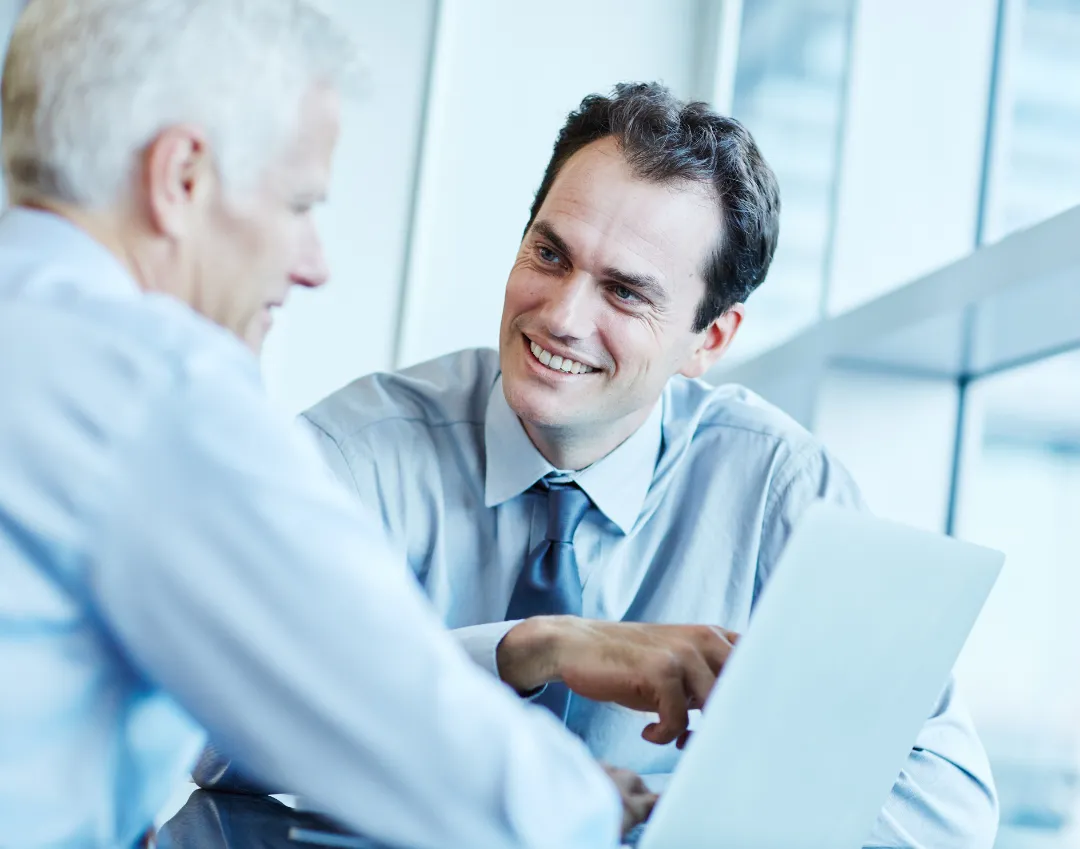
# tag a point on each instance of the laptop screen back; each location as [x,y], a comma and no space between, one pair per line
[846,656]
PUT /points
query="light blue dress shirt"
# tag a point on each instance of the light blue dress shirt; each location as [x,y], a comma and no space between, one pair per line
[175,556]
[692,513]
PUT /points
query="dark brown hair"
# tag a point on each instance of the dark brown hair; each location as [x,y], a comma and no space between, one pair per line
[666,140]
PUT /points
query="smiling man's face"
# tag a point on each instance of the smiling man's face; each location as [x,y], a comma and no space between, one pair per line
[601,300]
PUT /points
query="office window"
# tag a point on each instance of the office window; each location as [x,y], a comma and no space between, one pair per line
[1020,492]
[789,90]
[1037,154]
[896,434]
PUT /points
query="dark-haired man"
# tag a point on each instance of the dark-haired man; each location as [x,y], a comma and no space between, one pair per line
[581,494]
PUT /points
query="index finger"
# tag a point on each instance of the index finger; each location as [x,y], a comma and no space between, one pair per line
[637,809]
[672,705]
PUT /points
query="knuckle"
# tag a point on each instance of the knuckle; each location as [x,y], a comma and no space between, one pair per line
[670,664]
[717,635]
[684,653]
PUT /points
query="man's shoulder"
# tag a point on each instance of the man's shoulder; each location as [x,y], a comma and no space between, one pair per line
[702,413]
[450,390]
[106,388]
[729,427]
[141,347]
[91,312]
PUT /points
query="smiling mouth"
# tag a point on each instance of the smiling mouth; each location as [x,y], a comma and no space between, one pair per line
[556,363]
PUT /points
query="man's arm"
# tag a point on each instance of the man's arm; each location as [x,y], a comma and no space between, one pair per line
[945,794]
[237,575]
[664,669]
[658,668]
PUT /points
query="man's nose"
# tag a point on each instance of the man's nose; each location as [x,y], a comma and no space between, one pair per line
[568,310]
[313,270]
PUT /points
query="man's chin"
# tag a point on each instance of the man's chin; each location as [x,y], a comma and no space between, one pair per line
[254,335]
[538,405]
[254,342]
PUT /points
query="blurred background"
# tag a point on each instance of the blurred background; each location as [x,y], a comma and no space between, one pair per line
[923,312]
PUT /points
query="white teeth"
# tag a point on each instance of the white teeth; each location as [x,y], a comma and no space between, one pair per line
[557,363]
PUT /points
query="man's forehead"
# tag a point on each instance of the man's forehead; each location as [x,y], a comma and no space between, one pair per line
[600,206]
[304,164]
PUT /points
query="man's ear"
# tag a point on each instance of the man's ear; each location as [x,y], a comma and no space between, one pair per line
[714,342]
[178,175]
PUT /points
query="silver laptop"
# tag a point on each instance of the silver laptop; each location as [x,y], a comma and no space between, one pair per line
[810,723]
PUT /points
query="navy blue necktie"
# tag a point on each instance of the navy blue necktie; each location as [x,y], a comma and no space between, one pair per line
[550,584]
[216,771]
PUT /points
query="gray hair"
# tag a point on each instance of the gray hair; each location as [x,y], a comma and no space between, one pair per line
[89,83]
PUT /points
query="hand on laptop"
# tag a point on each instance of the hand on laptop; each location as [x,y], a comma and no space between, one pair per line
[666,669]
[637,799]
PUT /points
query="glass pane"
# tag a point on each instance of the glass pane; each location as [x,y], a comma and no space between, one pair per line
[1020,671]
[1039,133]
[789,87]
[896,433]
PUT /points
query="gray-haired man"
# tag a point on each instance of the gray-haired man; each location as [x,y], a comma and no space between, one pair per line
[172,553]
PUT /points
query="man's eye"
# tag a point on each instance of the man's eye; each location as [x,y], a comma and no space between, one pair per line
[547,254]
[624,294]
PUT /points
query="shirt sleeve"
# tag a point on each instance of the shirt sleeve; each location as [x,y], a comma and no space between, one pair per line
[945,795]
[334,457]
[236,574]
[480,642]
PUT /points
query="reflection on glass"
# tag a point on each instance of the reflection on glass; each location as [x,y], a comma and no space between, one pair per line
[1039,127]
[1020,671]
[789,87]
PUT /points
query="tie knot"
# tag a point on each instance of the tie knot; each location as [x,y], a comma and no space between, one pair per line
[567,506]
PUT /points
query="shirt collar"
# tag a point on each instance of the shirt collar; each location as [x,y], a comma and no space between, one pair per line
[93,267]
[617,484]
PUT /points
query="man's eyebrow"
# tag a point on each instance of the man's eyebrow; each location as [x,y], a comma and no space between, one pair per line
[546,231]
[646,284]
